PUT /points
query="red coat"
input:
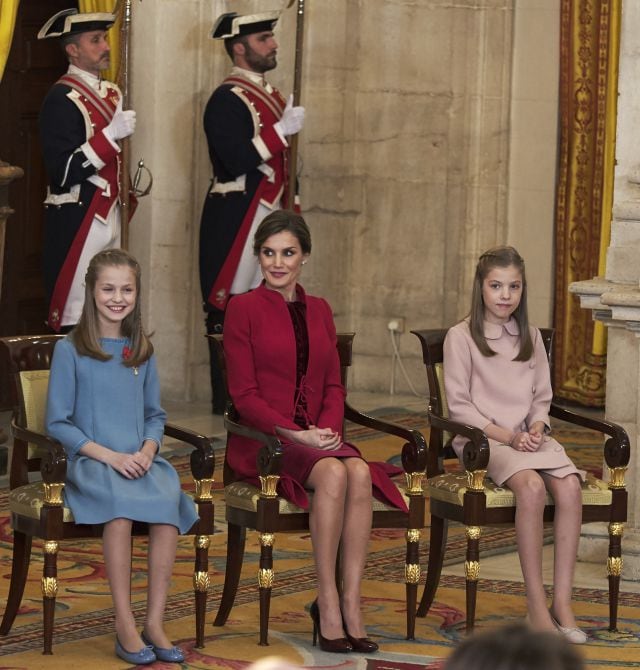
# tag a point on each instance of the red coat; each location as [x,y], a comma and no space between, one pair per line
[260,353]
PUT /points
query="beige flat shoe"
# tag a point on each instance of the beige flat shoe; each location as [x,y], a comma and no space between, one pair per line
[573,635]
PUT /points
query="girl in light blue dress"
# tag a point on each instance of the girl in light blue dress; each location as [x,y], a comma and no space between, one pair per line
[104,407]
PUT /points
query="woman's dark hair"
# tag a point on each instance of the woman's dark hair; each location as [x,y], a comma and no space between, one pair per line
[86,335]
[499,257]
[514,647]
[276,222]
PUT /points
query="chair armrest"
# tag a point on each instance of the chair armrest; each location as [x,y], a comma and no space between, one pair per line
[269,456]
[202,458]
[617,449]
[53,466]
[476,451]
[414,451]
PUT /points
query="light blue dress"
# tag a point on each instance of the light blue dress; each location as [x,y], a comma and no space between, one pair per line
[105,402]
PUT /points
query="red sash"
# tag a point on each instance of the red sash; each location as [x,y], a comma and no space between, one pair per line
[101,104]
[219,295]
[274,105]
[68,270]
[106,107]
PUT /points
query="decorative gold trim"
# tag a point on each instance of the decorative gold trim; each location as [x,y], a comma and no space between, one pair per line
[413,535]
[50,547]
[614,566]
[267,539]
[53,493]
[616,477]
[201,541]
[201,581]
[204,489]
[268,485]
[265,578]
[473,532]
[472,570]
[412,573]
[414,483]
[605,635]
[616,529]
[475,479]
[589,46]
[49,587]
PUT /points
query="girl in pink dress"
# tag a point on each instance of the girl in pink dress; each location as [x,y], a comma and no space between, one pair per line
[497,379]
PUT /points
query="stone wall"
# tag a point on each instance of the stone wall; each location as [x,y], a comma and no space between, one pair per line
[418,153]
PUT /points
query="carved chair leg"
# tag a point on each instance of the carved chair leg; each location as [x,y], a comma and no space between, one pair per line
[49,592]
[614,570]
[472,571]
[19,571]
[201,584]
[236,537]
[203,478]
[437,546]
[265,583]
[412,578]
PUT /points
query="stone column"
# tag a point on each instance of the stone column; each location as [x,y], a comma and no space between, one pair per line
[615,299]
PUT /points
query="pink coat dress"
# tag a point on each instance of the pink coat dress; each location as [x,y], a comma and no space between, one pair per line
[261,356]
[511,394]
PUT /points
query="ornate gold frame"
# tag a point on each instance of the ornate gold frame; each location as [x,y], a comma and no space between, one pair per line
[589,54]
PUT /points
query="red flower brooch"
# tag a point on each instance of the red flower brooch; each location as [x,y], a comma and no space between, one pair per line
[126,355]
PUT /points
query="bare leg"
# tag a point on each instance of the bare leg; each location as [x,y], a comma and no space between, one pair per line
[328,479]
[116,547]
[529,489]
[356,530]
[163,540]
[567,496]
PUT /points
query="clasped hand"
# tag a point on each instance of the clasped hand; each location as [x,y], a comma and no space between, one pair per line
[526,441]
[131,466]
[319,438]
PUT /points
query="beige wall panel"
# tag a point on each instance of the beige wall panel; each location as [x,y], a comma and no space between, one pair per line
[406,173]
[533,148]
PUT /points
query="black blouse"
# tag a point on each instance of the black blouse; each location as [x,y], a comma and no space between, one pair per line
[298,313]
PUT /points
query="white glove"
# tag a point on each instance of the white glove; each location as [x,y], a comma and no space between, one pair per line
[292,119]
[122,124]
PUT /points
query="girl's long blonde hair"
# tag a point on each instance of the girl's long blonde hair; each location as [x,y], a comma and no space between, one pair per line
[86,335]
[499,257]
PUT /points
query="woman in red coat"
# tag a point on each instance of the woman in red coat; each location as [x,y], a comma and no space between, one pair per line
[284,379]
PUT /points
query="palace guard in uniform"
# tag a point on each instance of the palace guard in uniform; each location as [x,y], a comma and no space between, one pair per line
[247,122]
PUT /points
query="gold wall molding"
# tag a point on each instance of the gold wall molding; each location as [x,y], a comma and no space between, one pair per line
[589,48]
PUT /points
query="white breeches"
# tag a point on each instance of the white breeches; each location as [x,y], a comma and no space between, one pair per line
[101,236]
[248,274]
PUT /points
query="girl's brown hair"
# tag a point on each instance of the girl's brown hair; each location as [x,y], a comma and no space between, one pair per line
[499,257]
[86,335]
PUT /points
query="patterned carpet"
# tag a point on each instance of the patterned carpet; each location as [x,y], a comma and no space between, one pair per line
[84,626]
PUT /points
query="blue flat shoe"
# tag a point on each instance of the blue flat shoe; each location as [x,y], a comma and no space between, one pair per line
[142,657]
[171,655]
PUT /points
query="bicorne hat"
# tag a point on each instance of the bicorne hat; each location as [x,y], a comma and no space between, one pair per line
[70,21]
[233,25]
